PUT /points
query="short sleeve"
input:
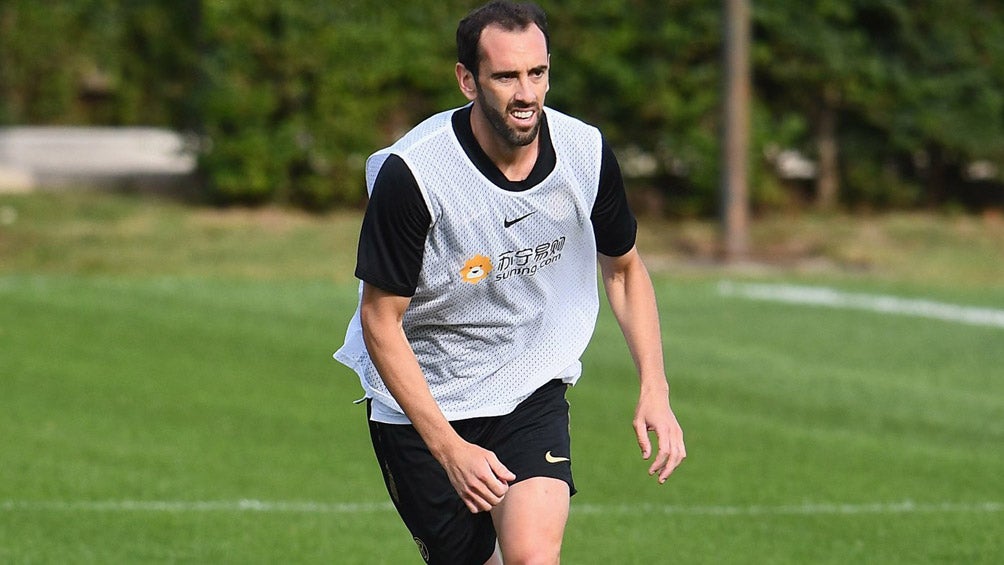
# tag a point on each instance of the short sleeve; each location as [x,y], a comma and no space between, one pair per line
[614,224]
[394,229]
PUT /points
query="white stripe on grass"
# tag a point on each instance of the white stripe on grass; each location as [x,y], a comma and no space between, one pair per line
[905,507]
[181,506]
[242,506]
[828,297]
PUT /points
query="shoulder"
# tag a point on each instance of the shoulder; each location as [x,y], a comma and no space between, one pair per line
[574,138]
[564,123]
[394,171]
[430,128]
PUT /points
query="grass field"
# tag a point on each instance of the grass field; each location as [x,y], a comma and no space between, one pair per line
[167,395]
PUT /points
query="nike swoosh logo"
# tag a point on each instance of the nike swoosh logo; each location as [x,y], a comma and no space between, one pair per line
[510,223]
[552,459]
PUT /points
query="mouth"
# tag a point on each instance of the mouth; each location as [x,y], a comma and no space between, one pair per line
[523,116]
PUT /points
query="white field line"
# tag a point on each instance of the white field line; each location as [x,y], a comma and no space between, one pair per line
[905,507]
[182,506]
[885,304]
[242,506]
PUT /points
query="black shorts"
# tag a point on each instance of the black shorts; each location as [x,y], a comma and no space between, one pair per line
[531,441]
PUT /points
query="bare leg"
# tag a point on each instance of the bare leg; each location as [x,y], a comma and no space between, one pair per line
[530,521]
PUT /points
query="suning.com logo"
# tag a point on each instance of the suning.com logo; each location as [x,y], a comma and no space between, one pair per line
[514,263]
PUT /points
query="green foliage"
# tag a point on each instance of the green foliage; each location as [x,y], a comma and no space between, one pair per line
[40,68]
[296,94]
[912,83]
[647,74]
[289,98]
[97,62]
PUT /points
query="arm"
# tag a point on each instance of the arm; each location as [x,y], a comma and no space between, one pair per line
[632,299]
[476,474]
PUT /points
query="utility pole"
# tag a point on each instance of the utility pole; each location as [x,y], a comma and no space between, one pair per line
[735,130]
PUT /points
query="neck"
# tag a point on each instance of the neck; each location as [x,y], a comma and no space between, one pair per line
[514,161]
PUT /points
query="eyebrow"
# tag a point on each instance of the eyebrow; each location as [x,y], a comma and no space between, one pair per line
[514,74]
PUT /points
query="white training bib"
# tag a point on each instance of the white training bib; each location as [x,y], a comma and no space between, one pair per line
[507,294]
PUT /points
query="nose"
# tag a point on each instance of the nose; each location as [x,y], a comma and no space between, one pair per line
[524,91]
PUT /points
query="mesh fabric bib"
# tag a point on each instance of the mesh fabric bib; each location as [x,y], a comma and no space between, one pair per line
[507,294]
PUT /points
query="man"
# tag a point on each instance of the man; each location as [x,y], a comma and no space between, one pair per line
[478,256]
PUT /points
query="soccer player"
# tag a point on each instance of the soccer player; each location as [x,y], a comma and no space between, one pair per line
[478,259]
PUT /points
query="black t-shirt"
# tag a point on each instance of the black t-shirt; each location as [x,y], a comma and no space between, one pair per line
[397,220]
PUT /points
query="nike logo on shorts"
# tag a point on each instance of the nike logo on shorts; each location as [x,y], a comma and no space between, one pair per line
[552,459]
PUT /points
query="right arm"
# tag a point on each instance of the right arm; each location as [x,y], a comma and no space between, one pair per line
[476,473]
[389,262]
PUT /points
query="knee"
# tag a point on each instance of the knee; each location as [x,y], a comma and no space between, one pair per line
[531,554]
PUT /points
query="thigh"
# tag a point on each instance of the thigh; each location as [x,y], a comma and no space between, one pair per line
[531,519]
[445,531]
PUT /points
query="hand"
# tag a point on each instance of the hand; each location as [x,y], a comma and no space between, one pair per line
[653,414]
[478,476]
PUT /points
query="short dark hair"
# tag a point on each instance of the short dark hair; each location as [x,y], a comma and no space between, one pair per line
[510,16]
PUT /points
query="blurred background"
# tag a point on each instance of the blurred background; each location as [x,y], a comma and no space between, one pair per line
[181,188]
[855,104]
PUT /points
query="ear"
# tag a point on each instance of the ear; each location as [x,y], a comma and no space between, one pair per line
[548,89]
[466,81]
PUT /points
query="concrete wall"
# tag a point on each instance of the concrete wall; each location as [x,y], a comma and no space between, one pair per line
[54,158]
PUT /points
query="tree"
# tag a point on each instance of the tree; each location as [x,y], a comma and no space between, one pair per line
[942,101]
[97,62]
[296,94]
[807,54]
[647,72]
[894,99]
[906,91]
[42,64]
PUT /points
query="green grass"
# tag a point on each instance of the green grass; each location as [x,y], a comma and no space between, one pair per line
[155,353]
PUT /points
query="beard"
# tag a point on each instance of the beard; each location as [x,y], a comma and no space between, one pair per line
[512,136]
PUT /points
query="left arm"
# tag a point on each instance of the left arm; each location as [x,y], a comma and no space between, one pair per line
[632,300]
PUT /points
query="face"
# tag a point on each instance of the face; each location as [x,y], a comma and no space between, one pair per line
[512,82]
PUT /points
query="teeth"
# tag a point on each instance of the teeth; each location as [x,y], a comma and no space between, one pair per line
[524,114]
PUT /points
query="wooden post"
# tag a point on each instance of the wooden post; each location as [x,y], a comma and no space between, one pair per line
[735,130]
